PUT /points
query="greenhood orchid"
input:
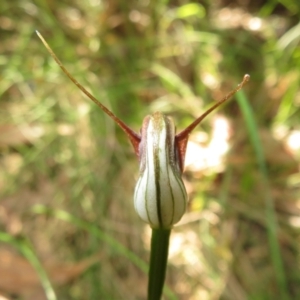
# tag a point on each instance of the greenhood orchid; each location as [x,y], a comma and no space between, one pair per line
[160,196]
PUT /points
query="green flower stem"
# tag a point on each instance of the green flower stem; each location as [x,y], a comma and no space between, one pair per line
[158,262]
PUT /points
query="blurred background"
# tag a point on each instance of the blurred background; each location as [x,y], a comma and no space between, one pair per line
[67,173]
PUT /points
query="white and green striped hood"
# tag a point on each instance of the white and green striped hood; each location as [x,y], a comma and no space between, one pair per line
[160,196]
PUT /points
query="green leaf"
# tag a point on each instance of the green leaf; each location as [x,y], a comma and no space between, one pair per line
[191,9]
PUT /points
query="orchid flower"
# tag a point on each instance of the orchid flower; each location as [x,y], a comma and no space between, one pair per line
[160,197]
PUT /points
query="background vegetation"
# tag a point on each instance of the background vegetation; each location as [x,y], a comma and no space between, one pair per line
[67,174]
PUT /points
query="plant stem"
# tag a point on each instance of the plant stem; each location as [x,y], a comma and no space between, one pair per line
[158,262]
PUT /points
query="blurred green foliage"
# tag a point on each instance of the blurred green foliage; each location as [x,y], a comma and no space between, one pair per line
[61,156]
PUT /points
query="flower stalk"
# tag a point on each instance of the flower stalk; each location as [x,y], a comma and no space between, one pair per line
[158,262]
